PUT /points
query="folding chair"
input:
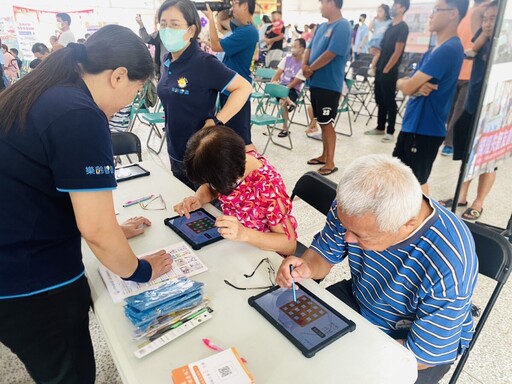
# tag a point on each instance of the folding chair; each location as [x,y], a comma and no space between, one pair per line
[125,143]
[344,107]
[494,253]
[153,119]
[316,190]
[271,120]
[139,107]
[261,76]
[301,102]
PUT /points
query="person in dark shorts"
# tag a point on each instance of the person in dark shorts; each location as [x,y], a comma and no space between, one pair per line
[324,66]
[431,89]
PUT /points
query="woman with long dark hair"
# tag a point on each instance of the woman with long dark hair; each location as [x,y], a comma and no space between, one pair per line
[57,176]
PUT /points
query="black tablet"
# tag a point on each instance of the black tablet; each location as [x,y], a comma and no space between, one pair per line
[199,230]
[308,323]
[130,172]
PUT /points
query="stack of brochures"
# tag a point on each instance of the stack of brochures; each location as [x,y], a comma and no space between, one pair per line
[162,314]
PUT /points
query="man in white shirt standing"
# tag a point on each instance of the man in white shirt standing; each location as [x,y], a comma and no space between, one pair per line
[66,36]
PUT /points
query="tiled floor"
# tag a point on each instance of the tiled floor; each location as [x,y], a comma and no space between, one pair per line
[490,359]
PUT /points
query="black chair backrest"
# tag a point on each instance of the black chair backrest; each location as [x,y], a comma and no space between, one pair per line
[316,190]
[494,254]
[125,143]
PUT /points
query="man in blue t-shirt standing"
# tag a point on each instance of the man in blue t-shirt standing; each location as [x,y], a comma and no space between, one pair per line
[240,51]
[431,88]
[324,66]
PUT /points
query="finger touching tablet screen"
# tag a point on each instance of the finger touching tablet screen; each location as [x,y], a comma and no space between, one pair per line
[199,230]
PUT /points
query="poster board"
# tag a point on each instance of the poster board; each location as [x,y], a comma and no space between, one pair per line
[492,140]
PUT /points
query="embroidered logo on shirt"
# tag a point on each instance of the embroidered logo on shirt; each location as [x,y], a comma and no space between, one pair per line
[99,170]
[182,82]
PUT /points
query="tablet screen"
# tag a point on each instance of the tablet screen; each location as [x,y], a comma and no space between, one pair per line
[311,323]
[130,172]
[199,228]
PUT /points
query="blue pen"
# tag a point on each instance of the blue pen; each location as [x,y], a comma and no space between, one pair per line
[294,289]
[137,201]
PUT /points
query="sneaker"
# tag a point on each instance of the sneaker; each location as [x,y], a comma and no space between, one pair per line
[447,151]
[387,138]
[316,135]
[375,132]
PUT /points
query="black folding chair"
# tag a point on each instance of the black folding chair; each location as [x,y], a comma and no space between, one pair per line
[126,143]
[494,253]
[316,190]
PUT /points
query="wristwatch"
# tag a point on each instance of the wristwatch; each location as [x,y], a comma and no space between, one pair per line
[217,121]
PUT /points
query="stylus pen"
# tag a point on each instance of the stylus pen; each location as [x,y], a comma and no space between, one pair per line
[294,289]
[137,201]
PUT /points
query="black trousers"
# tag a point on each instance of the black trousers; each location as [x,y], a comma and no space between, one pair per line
[343,291]
[49,332]
[385,90]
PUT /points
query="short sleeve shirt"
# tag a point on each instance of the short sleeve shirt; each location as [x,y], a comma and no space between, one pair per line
[65,38]
[362,32]
[241,48]
[421,286]
[188,89]
[334,37]
[291,68]
[64,147]
[260,201]
[427,115]
[394,34]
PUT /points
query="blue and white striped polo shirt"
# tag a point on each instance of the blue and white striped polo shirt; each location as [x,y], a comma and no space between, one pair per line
[424,283]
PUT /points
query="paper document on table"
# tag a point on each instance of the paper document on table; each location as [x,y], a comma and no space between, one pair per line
[185,263]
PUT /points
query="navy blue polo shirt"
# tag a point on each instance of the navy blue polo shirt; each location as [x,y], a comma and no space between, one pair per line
[64,147]
[240,48]
[188,90]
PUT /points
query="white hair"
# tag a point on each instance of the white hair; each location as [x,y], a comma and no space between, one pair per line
[383,186]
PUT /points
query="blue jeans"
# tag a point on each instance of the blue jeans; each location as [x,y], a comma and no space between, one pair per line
[179,172]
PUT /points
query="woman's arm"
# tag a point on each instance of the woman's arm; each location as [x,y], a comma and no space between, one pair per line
[204,195]
[96,220]
[277,240]
[240,91]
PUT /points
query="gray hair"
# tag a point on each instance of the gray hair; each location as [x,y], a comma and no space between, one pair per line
[383,186]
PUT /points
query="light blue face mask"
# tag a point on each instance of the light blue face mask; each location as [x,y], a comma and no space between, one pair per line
[172,39]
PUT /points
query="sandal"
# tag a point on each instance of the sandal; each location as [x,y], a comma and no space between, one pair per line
[316,162]
[327,171]
[472,214]
[449,202]
[283,133]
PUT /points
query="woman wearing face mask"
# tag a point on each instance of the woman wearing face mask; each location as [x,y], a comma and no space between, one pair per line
[191,81]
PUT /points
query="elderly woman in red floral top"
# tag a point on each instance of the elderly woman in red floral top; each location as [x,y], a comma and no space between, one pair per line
[252,193]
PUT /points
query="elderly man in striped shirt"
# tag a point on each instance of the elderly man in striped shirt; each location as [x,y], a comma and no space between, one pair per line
[413,262]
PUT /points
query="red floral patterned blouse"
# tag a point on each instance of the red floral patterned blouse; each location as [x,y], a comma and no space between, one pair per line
[260,201]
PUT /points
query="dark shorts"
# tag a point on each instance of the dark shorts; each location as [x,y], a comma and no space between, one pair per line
[418,152]
[241,122]
[461,135]
[325,105]
[293,95]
